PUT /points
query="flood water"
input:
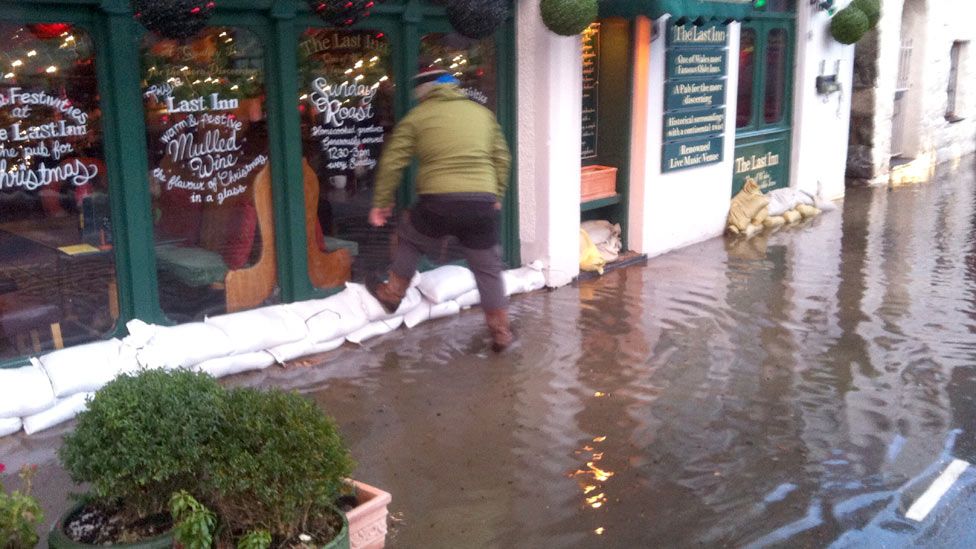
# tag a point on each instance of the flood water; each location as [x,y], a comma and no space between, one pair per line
[796,390]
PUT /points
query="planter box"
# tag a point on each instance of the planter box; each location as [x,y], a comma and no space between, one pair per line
[597,182]
[367,522]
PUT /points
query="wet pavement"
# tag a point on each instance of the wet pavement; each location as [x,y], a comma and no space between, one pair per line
[798,390]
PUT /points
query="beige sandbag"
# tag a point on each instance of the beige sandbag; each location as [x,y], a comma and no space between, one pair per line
[807,211]
[792,216]
[760,217]
[746,205]
[774,221]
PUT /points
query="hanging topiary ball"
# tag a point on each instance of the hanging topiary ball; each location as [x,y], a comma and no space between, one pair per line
[477,18]
[849,25]
[342,13]
[568,17]
[871,8]
[178,19]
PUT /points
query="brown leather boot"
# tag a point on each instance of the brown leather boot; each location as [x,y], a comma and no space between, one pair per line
[389,293]
[501,331]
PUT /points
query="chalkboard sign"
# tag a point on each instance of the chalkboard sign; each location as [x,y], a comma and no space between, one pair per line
[694,96]
[591,89]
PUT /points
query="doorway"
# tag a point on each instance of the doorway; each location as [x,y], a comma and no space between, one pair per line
[765,101]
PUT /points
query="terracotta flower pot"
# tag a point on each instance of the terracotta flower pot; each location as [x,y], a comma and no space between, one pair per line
[367,522]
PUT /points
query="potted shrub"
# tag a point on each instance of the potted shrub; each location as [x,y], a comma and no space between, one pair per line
[20,514]
[203,465]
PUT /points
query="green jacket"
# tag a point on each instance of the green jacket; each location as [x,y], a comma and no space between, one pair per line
[458,142]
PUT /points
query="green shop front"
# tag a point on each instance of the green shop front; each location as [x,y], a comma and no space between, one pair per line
[168,180]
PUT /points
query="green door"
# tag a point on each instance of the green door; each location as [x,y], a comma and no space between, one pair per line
[765,102]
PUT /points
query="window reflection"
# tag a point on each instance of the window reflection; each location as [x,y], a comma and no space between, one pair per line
[57,270]
[472,62]
[347,110]
[747,72]
[209,172]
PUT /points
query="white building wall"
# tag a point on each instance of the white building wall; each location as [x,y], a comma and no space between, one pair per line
[550,104]
[675,209]
[820,122]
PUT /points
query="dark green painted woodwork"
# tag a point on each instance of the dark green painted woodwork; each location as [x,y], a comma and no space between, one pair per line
[278,22]
[759,137]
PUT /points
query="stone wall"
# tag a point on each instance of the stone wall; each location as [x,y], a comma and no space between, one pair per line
[929,137]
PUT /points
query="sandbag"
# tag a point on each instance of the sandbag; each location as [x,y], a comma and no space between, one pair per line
[807,211]
[524,279]
[183,346]
[66,409]
[428,311]
[236,364]
[375,311]
[306,347]
[260,329]
[590,258]
[792,216]
[374,329]
[606,237]
[784,200]
[342,316]
[773,222]
[84,368]
[469,299]
[24,391]
[9,426]
[446,283]
[745,205]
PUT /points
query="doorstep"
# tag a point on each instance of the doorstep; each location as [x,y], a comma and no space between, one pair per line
[626,259]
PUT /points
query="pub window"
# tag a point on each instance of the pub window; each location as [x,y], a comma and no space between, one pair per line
[775,76]
[57,267]
[209,172]
[347,110]
[747,72]
[958,58]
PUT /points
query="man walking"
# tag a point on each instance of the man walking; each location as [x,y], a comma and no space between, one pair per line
[464,169]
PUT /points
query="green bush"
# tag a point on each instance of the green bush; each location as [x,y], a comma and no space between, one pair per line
[849,25]
[20,514]
[568,17]
[871,8]
[276,465]
[145,437]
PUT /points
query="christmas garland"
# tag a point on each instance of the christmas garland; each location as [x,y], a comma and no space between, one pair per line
[477,18]
[342,13]
[177,19]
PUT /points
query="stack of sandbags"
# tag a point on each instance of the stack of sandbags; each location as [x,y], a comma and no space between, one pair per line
[790,206]
[748,211]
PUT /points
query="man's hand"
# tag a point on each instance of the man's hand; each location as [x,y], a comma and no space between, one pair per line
[498,206]
[379,216]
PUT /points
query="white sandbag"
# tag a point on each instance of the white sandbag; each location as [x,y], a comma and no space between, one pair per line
[525,279]
[24,391]
[375,311]
[343,315]
[183,346]
[260,329]
[66,409]
[236,364]
[85,368]
[10,426]
[784,200]
[306,347]
[469,299]
[374,329]
[446,283]
[140,333]
[428,311]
